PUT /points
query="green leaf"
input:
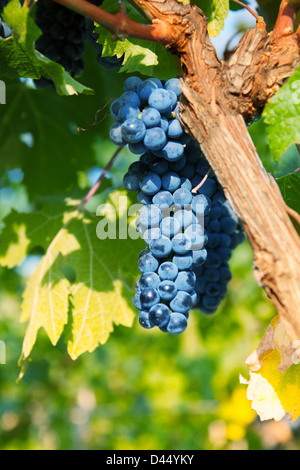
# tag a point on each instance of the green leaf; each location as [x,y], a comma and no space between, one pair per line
[289,160]
[140,56]
[216,12]
[105,271]
[144,57]
[44,141]
[18,56]
[290,189]
[282,116]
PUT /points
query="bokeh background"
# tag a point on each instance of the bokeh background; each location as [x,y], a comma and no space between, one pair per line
[142,389]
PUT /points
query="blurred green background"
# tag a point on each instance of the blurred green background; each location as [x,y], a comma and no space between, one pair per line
[142,389]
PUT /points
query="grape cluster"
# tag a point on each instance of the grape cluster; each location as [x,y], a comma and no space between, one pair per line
[187,224]
[64,36]
[5,31]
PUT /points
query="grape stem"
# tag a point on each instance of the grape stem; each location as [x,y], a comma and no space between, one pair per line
[256,16]
[195,189]
[98,183]
[119,23]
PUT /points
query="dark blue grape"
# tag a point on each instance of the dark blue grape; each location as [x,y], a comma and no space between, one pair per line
[151,117]
[147,262]
[170,181]
[159,315]
[185,281]
[168,271]
[167,290]
[149,297]
[144,320]
[150,183]
[161,247]
[133,130]
[177,323]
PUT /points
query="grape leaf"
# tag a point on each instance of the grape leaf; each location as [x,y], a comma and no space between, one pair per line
[282,116]
[54,151]
[274,384]
[140,56]
[216,12]
[290,189]
[289,160]
[104,270]
[18,56]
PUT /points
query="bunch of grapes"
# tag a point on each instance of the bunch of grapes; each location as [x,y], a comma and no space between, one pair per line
[63,37]
[64,34]
[187,224]
[5,30]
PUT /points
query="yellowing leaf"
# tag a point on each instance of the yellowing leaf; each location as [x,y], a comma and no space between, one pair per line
[46,295]
[17,248]
[274,384]
[103,272]
[100,296]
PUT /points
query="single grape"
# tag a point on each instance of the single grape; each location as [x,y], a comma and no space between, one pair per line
[188,171]
[144,320]
[183,262]
[155,138]
[168,271]
[163,199]
[169,226]
[175,129]
[181,244]
[172,151]
[150,183]
[159,166]
[132,83]
[177,323]
[148,279]
[201,205]
[178,164]
[151,234]
[151,117]
[173,84]
[185,281]
[161,100]
[150,216]
[199,257]
[159,315]
[161,247]
[147,262]
[149,297]
[167,290]
[182,197]
[184,217]
[133,130]
[131,181]
[170,181]
[145,88]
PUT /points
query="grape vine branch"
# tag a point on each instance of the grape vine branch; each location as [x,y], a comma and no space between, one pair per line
[220,98]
